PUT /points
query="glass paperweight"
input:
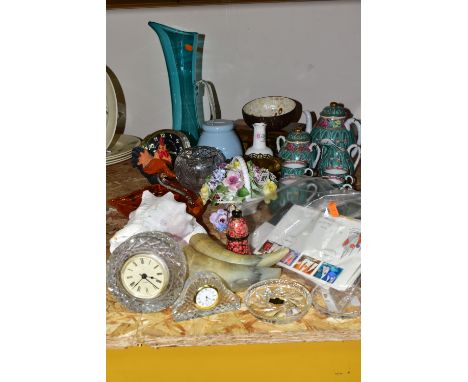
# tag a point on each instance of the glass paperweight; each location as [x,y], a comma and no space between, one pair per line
[194,164]
[204,294]
[146,273]
[278,301]
[336,304]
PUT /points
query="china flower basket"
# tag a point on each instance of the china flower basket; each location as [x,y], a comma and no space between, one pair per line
[239,183]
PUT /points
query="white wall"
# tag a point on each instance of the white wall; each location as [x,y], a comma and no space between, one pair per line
[309,51]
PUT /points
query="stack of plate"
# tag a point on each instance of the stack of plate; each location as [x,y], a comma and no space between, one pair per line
[118,145]
[121,150]
[112,109]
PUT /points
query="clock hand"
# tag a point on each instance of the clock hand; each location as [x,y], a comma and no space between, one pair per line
[137,283]
[152,283]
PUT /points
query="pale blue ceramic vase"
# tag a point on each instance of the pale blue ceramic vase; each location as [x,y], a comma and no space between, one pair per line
[183,54]
[219,133]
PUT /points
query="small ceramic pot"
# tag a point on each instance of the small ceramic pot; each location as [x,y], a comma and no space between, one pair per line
[220,134]
[297,147]
[295,168]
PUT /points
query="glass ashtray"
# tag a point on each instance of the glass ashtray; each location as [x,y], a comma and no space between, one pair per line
[336,304]
[278,301]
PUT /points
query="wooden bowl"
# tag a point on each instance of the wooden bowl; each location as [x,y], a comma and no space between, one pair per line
[275,111]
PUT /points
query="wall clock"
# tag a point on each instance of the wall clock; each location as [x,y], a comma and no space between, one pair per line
[204,294]
[146,273]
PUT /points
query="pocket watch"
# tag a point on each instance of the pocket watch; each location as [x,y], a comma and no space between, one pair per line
[146,273]
[204,294]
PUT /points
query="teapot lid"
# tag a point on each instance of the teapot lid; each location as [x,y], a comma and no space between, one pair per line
[298,135]
[334,110]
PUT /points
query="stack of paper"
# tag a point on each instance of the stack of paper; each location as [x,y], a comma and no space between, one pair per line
[324,249]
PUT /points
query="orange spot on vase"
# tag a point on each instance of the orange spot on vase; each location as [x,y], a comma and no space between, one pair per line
[188,47]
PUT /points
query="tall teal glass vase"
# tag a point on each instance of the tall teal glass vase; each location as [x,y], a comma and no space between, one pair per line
[183,55]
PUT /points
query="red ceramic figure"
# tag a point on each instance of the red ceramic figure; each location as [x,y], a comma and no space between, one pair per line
[237,234]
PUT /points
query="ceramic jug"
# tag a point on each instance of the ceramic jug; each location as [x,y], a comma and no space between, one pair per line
[183,54]
[337,162]
[297,147]
[334,125]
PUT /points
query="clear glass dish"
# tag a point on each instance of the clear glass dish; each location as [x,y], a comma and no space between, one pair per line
[278,301]
[337,304]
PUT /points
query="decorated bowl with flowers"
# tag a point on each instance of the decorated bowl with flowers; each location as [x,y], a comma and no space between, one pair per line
[239,182]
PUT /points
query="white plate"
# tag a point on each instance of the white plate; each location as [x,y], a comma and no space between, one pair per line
[124,145]
[129,155]
[111,111]
[123,154]
[117,160]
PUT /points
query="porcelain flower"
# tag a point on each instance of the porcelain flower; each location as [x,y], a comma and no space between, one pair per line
[233,180]
[235,165]
[269,191]
[205,193]
[216,178]
[219,219]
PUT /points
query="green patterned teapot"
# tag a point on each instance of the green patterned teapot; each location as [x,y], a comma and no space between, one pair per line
[334,125]
[297,147]
[336,162]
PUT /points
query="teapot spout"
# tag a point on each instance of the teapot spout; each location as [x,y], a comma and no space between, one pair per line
[308,116]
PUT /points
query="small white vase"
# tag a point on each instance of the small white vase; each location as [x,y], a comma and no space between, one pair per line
[259,141]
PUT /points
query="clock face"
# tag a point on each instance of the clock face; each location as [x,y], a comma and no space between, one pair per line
[167,142]
[144,276]
[207,297]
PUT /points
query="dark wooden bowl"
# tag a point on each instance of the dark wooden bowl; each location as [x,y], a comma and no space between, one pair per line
[275,111]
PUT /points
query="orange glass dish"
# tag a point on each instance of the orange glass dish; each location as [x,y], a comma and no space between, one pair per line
[130,202]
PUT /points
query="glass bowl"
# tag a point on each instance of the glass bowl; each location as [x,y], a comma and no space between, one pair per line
[194,164]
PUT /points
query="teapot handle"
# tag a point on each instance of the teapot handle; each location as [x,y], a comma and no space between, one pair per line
[311,147]
[357,149]
[214,111]
[308,117]
[278,144]
[351,179]
[347,125]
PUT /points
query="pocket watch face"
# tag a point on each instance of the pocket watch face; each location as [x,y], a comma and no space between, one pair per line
[207,297]
[144,276]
